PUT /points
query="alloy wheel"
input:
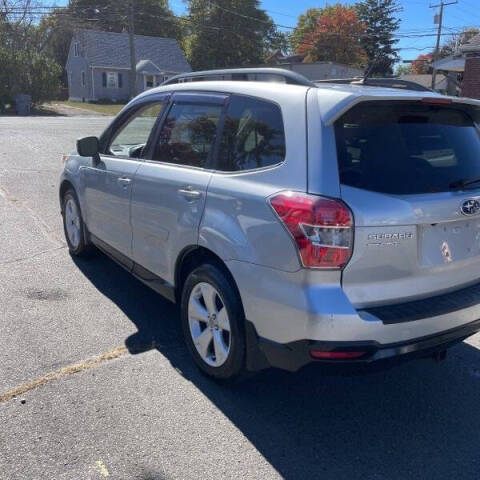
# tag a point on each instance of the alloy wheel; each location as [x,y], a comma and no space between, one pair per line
[72,222]
[209,324]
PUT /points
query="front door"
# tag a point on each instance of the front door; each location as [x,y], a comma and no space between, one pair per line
[108,183]
[170,188]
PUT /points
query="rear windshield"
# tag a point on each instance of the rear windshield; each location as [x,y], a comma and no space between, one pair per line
[407,148]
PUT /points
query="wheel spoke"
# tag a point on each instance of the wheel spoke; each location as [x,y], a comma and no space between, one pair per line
[209,294]
[203,342]
[222,320]
[68,212]
[221,350]
[197,310]
[75,235]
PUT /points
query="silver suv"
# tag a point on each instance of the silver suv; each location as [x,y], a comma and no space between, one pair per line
[292,222]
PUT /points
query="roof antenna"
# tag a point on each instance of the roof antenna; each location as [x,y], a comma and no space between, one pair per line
[368,70]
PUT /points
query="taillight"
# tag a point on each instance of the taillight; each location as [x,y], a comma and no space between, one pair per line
[321,227]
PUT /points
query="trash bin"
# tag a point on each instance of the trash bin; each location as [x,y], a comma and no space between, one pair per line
[23,104]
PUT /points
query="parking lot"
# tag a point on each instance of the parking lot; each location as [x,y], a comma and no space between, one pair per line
[95,381]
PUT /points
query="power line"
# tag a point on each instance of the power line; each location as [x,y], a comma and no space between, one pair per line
[414,33]
[249,17]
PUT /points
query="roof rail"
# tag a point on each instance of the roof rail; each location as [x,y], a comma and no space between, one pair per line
[391,82]
[243,74]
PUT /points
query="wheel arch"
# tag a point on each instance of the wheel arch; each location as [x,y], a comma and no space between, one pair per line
[64,187]
[193,256]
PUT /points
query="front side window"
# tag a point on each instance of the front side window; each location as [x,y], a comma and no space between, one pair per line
[406,147]
[131,138]
[253,135]
[188,134]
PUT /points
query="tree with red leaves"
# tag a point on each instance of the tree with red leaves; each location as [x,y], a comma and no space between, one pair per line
[336,37]
[422,64]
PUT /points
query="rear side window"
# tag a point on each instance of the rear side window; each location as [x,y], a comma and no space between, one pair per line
[406,147]
[253,135]
[188,134]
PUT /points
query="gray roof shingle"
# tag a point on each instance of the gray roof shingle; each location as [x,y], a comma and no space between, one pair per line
[108,49]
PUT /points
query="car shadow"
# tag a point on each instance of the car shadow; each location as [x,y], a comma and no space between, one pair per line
[419,420]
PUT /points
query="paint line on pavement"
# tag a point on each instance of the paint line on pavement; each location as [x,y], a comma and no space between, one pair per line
[101,468]
[63,372]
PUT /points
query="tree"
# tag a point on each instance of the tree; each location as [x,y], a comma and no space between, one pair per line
[276,40]
[336,37]
[404,70]
[152,17]
[24,67]
[227,33]
[457,40]
[306,24]
[422,64]
[378,41]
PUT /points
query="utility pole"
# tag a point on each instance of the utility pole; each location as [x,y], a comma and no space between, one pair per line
[439,34]
[133,61]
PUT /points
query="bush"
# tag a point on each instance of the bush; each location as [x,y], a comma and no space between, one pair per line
[28,72]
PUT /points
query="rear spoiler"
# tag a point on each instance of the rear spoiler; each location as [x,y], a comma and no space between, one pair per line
[344,101]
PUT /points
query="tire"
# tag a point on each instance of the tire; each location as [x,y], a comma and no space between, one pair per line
[73,225]
[204,323]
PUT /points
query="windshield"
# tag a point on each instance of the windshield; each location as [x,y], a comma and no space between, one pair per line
[407,148]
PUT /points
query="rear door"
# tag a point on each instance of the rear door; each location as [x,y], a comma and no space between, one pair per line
[404,170]
[171,185]
[108,183]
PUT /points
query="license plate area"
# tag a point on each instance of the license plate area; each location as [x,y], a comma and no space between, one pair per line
[449,242]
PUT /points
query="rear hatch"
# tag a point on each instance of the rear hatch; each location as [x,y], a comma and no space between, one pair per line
[410,172]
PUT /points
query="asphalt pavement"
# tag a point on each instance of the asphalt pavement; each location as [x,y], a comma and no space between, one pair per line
[95,381]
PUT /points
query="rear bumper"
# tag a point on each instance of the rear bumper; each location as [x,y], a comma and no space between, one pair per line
[294,355]
[288,307]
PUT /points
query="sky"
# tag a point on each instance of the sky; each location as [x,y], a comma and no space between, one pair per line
[416,19]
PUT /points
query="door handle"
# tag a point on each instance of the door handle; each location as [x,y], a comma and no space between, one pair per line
[189,194]
[124,181]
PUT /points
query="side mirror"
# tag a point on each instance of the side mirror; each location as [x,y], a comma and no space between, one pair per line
[88,147]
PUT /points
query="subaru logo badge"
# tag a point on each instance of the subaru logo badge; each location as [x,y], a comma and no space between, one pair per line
[470,207]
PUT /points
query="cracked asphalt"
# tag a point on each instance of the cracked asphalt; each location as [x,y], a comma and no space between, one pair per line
[109,390]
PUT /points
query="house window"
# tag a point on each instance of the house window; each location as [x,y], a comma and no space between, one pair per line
[83,79]
[75,50]
[149,81]
[112,80]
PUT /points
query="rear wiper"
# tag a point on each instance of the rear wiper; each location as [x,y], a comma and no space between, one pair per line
[461,184]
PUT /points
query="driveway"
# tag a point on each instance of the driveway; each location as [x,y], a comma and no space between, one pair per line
[69,111]
[95,381]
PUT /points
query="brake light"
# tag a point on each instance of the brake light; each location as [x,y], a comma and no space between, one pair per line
[436,100]
[321,227]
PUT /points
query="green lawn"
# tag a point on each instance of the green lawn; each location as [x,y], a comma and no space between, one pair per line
[95,107]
